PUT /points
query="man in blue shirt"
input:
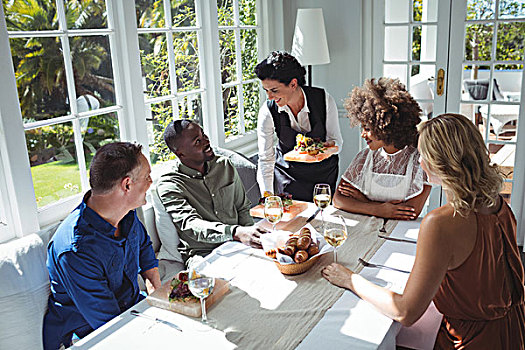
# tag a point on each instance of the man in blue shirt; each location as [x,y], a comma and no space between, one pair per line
[100,248]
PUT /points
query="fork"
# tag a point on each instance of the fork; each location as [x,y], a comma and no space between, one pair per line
[379,266]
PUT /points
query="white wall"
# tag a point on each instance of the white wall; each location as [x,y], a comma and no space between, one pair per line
[343,21]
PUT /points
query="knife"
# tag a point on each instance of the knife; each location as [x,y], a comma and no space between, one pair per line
[313,215]
[158,320]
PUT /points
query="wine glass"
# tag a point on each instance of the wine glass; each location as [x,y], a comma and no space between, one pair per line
[201,286]
[335,234]
[273,210]
[322,198]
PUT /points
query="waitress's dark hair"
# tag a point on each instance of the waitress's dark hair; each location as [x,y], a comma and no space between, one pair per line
[281,66]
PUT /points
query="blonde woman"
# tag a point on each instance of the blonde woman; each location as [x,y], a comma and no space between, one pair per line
[467,259]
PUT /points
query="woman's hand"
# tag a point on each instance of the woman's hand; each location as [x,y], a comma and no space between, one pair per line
[338,275]
[347,190]
[397,210]
[329,143]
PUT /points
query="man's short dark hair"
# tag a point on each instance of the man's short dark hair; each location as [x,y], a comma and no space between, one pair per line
[173,132]
[112,163]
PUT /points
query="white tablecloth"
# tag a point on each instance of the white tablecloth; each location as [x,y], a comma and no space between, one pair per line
[351,323]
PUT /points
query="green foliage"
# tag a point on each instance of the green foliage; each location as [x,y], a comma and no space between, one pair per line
[511,35]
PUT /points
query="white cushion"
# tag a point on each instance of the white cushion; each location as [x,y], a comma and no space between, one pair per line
[24,292]
[166,230]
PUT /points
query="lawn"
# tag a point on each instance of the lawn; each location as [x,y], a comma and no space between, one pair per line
[55,180]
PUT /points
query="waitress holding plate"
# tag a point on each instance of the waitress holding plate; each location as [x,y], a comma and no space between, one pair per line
[291,109]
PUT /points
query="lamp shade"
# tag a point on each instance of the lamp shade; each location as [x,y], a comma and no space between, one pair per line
[309,40]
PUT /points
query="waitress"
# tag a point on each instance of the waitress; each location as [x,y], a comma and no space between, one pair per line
[293,108]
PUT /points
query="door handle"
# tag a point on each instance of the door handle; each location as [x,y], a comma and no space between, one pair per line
[440,81]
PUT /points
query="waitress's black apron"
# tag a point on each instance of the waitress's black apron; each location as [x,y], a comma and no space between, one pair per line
[297,178]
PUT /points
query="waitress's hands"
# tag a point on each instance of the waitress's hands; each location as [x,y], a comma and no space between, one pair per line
[397,210]
[347,190]
[330,143]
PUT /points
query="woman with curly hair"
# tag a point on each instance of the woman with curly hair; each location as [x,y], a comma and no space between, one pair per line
[385,179]
[293,108]
[467,258]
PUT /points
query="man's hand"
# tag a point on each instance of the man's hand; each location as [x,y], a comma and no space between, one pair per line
[347,190]
[397,210]
[249,235]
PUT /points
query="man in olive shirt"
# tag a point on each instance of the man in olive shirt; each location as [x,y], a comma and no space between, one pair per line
[203,194]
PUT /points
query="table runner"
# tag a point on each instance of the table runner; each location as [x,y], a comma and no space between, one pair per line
[266,309]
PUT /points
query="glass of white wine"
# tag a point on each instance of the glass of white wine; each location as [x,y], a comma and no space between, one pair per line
[336,234]
[322,198]
[201,286]
[273,210]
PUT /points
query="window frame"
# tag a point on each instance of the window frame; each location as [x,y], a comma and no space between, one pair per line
[22,213]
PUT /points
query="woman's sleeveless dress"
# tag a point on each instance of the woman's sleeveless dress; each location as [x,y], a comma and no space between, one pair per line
[483,299]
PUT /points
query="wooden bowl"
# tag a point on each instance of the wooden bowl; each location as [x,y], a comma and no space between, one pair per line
[296,269]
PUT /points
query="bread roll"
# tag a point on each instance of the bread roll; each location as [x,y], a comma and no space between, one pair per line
[292,241]
[289,250]
[305,230]
[301,256]
[303,242]
[313,249]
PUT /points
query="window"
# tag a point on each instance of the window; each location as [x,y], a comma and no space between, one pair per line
[169,35]
[172,42]
[238,53]
[83,80]
[62,52]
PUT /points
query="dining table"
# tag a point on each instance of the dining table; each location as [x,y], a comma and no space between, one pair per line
[264,308]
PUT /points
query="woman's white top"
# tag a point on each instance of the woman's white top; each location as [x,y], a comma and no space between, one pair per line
[385,177]
[266,131]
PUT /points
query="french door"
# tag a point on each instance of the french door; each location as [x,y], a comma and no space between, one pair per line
[461,56]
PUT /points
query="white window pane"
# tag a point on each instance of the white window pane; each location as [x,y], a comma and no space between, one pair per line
[154,61]
[86,14]
[430,10]
[428,42]
[187,65]
[251,94]
[231,111]
[92,68]
[150,14]
[225,12]
[396,11]
[183,13]
[396,43]
[27,15]
[421,81]
[398,71]
[480,9]
[247,12]
[40,69]
[159,115]
[511,8]
[508,78]
[228,59]
[54,165]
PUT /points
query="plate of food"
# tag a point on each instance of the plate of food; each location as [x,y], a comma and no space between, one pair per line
[309,150]
[176,296]
[294,253]
[291,208]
